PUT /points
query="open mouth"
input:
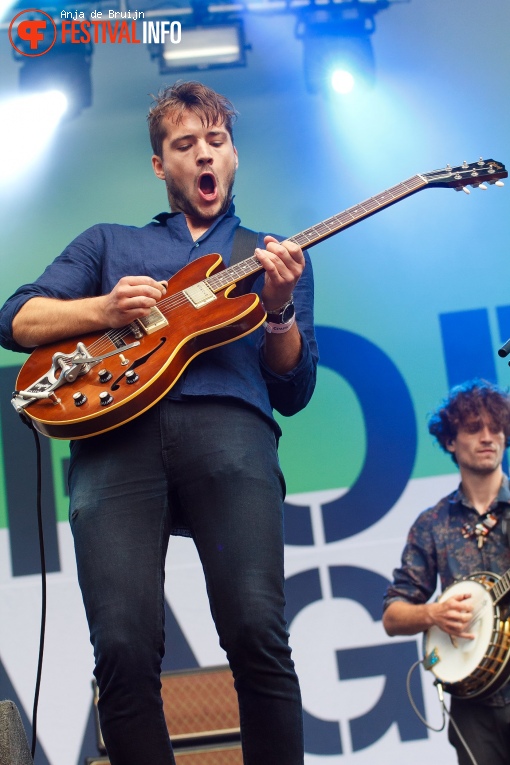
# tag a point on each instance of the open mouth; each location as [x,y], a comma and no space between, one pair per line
[207,187]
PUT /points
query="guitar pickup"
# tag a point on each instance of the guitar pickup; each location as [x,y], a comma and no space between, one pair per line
[154,321]
[199,294]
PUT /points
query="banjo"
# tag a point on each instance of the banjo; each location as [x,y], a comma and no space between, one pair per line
[479,667]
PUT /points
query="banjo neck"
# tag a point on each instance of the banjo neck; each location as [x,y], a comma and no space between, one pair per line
[501,588]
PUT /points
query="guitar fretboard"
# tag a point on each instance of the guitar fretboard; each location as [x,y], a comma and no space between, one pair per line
[352,215]
[311,236]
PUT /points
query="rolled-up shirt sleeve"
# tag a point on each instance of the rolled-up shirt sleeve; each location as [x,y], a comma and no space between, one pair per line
[72,275]
[415,581]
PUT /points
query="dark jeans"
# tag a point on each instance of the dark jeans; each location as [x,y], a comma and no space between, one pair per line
[485,729]
[215,465]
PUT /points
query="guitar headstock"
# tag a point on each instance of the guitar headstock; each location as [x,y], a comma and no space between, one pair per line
[476,174]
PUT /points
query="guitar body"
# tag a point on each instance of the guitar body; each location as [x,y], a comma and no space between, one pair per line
[472,668]
[158,361]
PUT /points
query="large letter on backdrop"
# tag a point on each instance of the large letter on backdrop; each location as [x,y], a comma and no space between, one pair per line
[21,488]
[390,436]
[391,661]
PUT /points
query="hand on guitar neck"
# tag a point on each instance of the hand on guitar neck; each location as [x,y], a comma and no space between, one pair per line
[283,263]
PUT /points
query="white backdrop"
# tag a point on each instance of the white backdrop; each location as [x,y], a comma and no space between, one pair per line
[318,631]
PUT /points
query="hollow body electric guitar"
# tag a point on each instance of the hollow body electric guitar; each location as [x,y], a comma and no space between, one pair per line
[81,387]
[478,667]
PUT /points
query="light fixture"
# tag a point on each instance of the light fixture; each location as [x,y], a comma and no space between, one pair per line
[64,68]
[337,48]
[214,46]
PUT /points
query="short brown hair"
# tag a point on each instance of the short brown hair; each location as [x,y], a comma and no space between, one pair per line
[211,107]
[467,402]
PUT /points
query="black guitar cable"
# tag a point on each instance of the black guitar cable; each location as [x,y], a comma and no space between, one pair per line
[42,556]
[444,709]
[415,708]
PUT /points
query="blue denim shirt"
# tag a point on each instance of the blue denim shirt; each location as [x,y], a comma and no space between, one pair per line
[95,261]
[436,548]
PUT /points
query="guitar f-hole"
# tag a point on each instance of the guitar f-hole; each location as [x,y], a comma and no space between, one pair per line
[138,362]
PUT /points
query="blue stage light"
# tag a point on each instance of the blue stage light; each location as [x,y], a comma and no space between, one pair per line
[337,48]
[342,81]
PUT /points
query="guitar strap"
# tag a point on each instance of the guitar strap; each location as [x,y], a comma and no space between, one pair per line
[506,524]
[245,241]
[481,530]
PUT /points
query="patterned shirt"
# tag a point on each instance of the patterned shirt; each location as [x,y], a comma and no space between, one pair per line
[436,548]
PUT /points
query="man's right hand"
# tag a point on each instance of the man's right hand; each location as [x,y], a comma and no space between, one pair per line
[454,615]
[43,320]
[131,298]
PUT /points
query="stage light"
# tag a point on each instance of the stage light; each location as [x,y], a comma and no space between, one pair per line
[337,50]
[214,46]
[65,68]
[342,81]
[5,7]
[27,124]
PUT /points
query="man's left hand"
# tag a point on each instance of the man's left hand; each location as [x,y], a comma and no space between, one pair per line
[283,263]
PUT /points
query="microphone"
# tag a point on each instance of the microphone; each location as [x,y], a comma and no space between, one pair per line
[505,349]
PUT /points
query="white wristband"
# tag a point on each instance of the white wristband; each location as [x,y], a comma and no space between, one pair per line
[279,329]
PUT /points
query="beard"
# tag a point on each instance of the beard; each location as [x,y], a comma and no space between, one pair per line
[179,200]
[484,469]
[481,468]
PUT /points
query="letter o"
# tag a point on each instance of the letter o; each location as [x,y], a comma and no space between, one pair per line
[391,439]
[175,32]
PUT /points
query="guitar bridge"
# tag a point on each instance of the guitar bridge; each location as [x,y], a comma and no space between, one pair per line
[154,321]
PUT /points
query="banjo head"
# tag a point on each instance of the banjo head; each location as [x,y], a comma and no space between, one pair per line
[451,659]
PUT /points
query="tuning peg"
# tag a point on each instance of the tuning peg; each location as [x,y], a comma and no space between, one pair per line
[466,190]
[499,183]
[483,187]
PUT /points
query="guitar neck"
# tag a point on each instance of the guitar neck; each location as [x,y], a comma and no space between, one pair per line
[312,236]
[352,215]
[502,587]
